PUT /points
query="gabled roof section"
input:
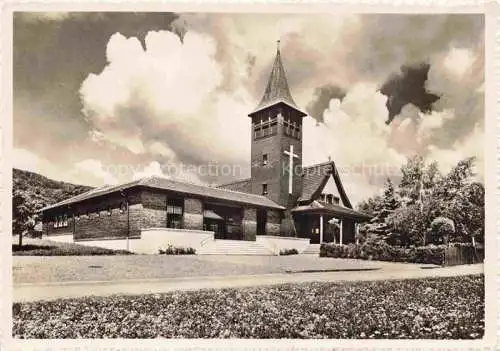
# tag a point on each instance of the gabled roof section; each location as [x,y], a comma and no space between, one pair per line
[179,187]
[277,89]
[316,177]
[242,185]
[331,209]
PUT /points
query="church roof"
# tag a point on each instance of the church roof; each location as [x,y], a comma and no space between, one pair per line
[242,185]
[175,186]
[277,89]
[315,179]
[332,209]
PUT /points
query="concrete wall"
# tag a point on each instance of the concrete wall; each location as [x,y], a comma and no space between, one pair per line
[278,243]
[150,242]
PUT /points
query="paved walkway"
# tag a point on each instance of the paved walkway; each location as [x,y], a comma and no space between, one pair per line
[54,290]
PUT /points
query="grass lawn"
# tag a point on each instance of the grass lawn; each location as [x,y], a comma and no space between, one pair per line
[34,269]
[39,247]
[433,308]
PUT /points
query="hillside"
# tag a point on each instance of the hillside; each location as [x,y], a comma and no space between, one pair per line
[39,191]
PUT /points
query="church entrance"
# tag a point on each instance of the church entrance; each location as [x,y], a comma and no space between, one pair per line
[228,223]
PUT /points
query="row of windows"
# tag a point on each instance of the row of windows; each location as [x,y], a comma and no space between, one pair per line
[291,129]
[265,129]
[330,199]
[61,221]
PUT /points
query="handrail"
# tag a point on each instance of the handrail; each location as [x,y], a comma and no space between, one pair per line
[204,241]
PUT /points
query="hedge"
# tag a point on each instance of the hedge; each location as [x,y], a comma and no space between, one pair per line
[64,249]
[381,251]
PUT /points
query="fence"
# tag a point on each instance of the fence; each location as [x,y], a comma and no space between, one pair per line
[463,254]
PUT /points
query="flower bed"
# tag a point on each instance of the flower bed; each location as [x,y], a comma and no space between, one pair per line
[436,308]
[286,252]
[171,250]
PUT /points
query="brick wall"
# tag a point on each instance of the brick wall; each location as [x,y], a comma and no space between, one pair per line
[273,224]
[193,214]
[274,174]
[98,224]
[249,223]
[154,209]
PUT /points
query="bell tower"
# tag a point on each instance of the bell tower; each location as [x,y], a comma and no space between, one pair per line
[276,149]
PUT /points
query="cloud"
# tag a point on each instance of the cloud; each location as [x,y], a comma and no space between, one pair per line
[153,169]
[323,95]
[164,99]
[95,170]
[28,161]
[408,87]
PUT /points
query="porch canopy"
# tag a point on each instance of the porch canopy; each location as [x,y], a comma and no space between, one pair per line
[311,219]
[331,210]
[212,215]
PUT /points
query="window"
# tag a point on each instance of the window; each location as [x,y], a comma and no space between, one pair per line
[65,221]
[175,209]
[336,200]
[329,198]
[123,207]
[109,211]
[264,189]
[264,159]
[323,197]
[56,222]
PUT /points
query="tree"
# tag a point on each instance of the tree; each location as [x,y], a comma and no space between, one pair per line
[22,215]
[383,207]
[411,180]
[441,230]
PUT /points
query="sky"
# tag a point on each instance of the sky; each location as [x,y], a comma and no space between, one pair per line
[103,98]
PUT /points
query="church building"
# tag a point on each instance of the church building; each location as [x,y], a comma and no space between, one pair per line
[282,205]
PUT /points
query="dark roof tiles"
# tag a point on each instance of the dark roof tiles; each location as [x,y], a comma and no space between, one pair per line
[176,186]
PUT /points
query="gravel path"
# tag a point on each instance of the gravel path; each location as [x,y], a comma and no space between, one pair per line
[55,290]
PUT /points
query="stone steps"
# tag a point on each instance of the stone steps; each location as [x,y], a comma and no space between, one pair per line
[312,249]
[233,247]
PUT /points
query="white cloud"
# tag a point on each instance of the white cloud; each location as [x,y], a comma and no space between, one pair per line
[168,90]
[28,161]
[94,171]
[153,169]
[459,61]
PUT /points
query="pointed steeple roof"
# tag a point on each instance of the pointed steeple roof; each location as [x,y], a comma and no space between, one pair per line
[277,89]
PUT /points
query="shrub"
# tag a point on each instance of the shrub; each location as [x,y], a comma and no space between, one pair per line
[172,250]
[286,252]
[379,250]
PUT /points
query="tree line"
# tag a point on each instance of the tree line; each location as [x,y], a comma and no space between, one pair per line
[428,207]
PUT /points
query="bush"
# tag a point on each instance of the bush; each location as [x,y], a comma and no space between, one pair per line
[435,308]
[379,250]
[172,250]
[286,252]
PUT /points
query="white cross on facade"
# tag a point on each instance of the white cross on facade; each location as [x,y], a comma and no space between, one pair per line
[291,156]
